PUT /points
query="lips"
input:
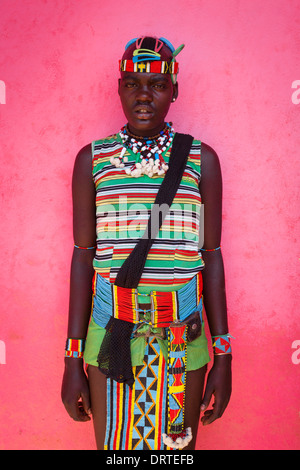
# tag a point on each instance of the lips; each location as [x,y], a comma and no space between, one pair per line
[144,112]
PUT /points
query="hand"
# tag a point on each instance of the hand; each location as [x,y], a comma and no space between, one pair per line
[218,384]
[75,390]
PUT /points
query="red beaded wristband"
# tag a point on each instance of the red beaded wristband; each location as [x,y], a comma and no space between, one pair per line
[74,348]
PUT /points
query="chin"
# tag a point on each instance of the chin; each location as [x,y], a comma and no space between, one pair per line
[145,125]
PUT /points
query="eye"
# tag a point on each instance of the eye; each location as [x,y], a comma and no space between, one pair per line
[130,84]
[159,86]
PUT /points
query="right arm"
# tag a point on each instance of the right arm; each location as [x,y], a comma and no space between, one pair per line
[75,391]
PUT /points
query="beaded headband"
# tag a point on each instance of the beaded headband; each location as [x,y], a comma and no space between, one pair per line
[160,66]
[148,60]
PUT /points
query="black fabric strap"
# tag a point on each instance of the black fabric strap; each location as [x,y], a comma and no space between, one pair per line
[114,357]
[131,270]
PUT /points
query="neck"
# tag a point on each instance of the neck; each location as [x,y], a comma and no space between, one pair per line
[150,133]
[150,136]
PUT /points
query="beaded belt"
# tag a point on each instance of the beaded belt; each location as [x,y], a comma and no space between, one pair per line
[165,307]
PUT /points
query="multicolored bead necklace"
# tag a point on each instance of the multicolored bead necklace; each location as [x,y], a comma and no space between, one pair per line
[149,151]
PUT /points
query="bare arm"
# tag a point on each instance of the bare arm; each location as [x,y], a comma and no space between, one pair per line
[214,296]
[75,393]
[84,233]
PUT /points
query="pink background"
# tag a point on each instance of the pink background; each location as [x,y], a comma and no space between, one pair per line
[59,64]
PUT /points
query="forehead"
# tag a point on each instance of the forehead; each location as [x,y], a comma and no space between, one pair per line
[146,77]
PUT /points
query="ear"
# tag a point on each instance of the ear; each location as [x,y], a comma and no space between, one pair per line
[175,91]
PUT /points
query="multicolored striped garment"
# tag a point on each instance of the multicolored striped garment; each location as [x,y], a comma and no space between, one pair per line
[137,416]
[123,205]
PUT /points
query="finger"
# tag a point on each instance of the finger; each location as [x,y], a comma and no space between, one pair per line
[206,416]
[82,415]
[86,403]
[71,408]
[211,415]
[206,399]
[76,411]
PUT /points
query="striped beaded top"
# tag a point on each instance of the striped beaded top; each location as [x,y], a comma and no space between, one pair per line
[123,206]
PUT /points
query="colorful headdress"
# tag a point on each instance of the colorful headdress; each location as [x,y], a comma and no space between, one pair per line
[146,57]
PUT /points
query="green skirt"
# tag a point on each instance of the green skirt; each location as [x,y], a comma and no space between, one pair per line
[197,350]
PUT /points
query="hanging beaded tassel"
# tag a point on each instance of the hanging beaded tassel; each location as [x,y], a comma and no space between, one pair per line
[177,437]
[149,150]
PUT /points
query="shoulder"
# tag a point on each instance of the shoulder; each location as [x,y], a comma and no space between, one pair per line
[210,162]
[211,175]
[84,153]
[83,160]
[208,155]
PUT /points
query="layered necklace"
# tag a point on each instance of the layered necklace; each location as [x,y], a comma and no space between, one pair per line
[148,150]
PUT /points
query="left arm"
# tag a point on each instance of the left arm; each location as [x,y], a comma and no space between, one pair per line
[214,296]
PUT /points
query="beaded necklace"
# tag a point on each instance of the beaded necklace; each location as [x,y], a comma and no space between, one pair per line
[149,152]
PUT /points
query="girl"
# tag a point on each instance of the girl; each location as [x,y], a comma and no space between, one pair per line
[145,346]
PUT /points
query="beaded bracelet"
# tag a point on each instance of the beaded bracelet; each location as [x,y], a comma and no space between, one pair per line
[213,249]
[221,344]
[74,348]
[85,248]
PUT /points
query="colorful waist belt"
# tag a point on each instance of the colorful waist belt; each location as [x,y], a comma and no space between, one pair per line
[165,307]
[118,308]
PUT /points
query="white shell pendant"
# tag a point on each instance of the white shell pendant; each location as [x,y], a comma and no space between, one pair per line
[148,150]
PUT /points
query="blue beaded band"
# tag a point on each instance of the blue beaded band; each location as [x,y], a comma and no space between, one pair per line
[213,249]
[85,248]
[221,344]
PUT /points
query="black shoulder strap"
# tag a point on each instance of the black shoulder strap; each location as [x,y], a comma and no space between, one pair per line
[131,271]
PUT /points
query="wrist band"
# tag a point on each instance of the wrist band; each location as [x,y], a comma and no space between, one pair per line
[74,347]
[221,344]
[213,249]
[85,248]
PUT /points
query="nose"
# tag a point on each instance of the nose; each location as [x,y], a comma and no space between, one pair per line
[144,94]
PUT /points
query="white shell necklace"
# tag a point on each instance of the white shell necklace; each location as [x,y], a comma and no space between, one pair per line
[149,152]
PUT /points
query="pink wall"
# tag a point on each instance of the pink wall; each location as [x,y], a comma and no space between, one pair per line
[58,65]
